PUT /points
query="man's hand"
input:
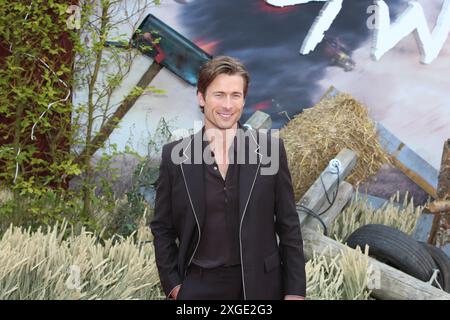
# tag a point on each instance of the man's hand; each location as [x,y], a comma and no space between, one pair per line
[293,297]
[174,293]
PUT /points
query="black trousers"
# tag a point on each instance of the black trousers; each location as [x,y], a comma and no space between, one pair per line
[222,283]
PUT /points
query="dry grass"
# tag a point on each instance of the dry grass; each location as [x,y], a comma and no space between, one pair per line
[345,277]
[318,134]
[360,213]
[357,273]
[45,265]
[36,265]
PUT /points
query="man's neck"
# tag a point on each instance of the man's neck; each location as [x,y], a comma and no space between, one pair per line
[220,139]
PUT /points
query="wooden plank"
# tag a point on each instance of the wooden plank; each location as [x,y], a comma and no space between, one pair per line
[443,191]
[423,227]
[344,195]
[439,206]
[409,162]
[315,197]
[259,120]
[446,249]
[390,284]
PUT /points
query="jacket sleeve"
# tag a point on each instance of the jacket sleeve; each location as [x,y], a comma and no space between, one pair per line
[288,230]
[164,234]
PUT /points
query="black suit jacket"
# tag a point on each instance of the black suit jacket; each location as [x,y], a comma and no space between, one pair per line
[271,267]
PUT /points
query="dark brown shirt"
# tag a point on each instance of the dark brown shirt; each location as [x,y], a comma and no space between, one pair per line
[219,242]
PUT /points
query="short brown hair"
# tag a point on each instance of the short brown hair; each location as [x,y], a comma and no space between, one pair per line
[221,65]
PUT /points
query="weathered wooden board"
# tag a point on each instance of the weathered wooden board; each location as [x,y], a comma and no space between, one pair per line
[315,197]
[409,162]
[259,120]
[344,195]
[423,227]
[443,191]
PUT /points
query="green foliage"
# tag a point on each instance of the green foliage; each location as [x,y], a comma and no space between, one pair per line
[116,261]
[46,208]
[123,218]
[34,82]
[144,177]
[112,216]
[31,79]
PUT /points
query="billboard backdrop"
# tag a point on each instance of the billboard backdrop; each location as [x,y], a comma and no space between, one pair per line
[409,97]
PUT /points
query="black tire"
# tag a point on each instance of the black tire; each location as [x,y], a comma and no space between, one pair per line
[443,263]
[394,248]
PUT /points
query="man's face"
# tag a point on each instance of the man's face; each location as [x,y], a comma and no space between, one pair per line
[223,101]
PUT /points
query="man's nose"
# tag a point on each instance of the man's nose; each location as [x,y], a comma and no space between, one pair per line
[228,103]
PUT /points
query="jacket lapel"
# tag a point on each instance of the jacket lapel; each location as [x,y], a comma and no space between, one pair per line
[249,166]
[192,168]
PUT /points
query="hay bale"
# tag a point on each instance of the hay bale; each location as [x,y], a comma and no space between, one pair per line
[316,136]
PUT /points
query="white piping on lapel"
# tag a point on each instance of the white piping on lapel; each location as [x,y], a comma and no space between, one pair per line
[192,205]
[243,214]
[184,150]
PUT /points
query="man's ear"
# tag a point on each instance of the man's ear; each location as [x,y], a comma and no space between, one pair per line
[201,99]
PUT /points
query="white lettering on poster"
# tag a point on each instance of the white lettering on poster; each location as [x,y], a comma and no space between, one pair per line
[386,35]
[412,20]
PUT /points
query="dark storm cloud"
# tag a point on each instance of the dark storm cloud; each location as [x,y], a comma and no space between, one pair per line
[269,43]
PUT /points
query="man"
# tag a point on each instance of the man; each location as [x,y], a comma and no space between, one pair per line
[217,215]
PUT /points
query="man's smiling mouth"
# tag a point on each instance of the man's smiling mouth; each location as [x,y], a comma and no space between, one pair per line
[225,115]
